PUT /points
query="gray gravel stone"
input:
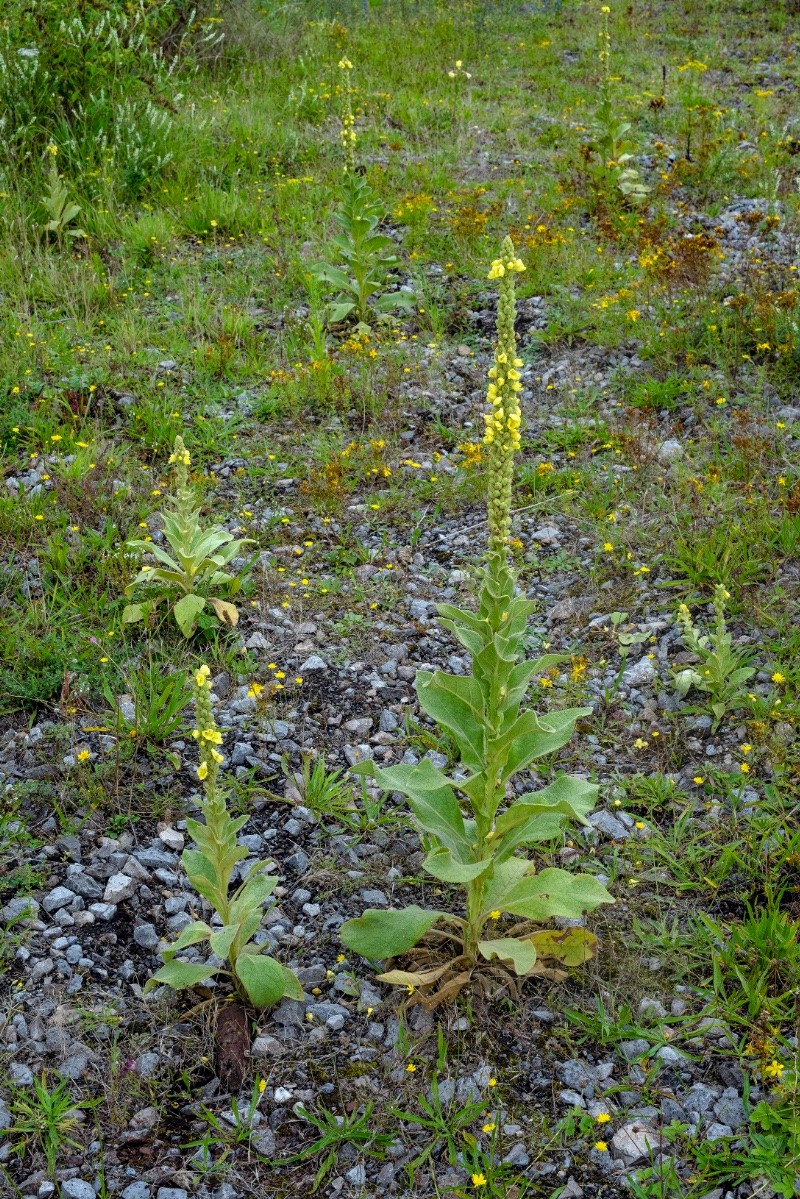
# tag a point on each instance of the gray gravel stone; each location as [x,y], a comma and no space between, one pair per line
[700,1098]
[59,897]
[605,823]
[716,1131]
[172,1193]
[730,1109]
[634,1142]
[119,887]
[146,936]
[76,1188]
[640,674]
[137,1190]
[20,906]
[297,863]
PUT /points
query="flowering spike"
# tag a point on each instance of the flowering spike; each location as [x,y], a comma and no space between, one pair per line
[348,132]
[503,423]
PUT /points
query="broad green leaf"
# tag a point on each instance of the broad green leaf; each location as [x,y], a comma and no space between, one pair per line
[197,931]
[532,737]
[566,797]
[180,975]
[455,702]
[337,312]
[519,952]
[186,612]
[265,980]
[431,798]
[150,548]
[570,946]
[255,889]
[222,939]
[441,864]
[133,613]
[553,892]
[226,613]
[506,875]
[384,934]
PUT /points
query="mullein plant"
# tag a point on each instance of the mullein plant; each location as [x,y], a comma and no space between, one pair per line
[209,868]
[201,554]
[361,257]
[721,672]
[610,141]
[472,823]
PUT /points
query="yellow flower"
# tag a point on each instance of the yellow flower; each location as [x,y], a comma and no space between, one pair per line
[262,1085]
[202,770]
[201,675]
[84,755]
[603,1118]
[212,735]
[778,677]
[490,1127]
[698,778]
[633,314]
[744,767]
[345,64]
[492,1082]
[775,1069]
[218,758]
[495,915]
[255,690]
[601,1146]
[478,1180]
[411,1068]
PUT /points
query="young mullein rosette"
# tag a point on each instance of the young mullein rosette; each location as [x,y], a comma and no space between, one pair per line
[200,557]
[348,130]
[473,822]
[209,869]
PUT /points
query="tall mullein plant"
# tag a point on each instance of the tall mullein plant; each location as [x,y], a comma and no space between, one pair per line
[209,868]
[472,824]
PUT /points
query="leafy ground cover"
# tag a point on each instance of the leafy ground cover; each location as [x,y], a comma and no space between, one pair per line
[177,280]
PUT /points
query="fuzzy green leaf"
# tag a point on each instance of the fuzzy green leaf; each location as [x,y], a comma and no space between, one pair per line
[431,798]
[198,930]
[520,953]
[186,612]
[551,893]
[222,939]
[384,934]
[442,865]
[133,613]
[265,980]
[455,702]
[180,975]
[532,737]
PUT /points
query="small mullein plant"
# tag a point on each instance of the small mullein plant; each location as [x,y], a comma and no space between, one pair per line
[721,672]
[201,554]
[610,140]
[360,263]
[209,869]
[471,823]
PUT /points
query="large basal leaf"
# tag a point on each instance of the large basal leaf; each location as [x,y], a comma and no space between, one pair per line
[570,946]
[442,865]
[180,975]
[384,934]
[186,612]
[431,798]
[265,980]
[553,892]
[517,952]
[455,702]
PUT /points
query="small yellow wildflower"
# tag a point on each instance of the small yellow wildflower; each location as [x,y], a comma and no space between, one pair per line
[202,770]
[775,1069]
[83,755]
[603,1118]
[411,1068]
[601,1146]
[777,677]
[478,1180]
